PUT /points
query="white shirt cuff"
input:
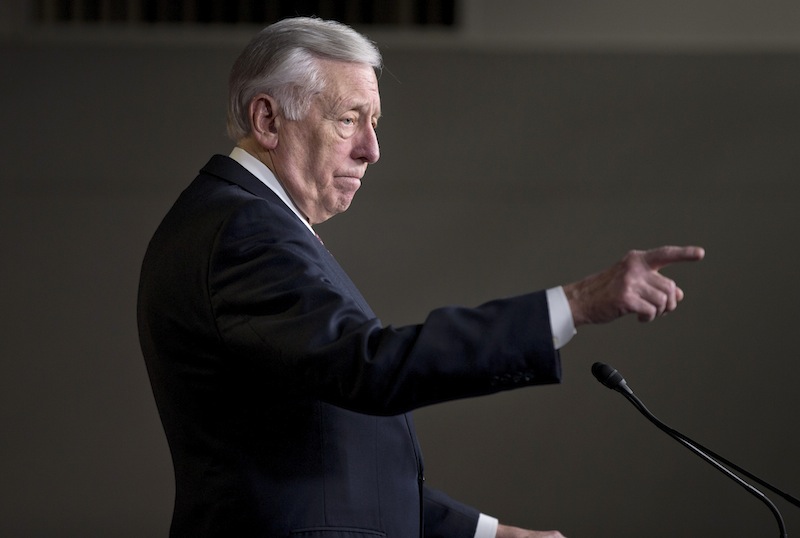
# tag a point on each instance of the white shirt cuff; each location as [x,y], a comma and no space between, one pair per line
[561,322]
[487,527]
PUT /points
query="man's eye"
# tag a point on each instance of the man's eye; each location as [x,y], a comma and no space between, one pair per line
[348,121]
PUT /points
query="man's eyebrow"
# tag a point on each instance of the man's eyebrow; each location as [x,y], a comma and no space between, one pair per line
[352,103]
[348,103]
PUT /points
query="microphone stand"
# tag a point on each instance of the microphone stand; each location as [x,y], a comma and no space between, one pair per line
[613,380]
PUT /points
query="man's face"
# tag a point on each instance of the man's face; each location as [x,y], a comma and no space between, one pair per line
[322,158]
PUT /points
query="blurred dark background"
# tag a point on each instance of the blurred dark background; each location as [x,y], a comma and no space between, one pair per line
[524,145]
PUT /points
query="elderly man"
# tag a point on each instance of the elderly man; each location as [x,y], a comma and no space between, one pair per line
[284,399]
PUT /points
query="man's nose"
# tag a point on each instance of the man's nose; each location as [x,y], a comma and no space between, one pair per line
[368,148]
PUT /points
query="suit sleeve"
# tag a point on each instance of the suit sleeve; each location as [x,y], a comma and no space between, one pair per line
[448,518]
[279,310]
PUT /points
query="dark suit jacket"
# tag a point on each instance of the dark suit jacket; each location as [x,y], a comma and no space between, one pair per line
[284,400]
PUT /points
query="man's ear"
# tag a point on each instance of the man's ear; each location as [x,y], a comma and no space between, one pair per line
[264,121]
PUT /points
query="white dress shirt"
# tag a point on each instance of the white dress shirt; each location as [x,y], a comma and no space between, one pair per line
[561,323]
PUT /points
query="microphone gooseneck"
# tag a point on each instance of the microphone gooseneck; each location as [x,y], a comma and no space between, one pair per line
[612,379]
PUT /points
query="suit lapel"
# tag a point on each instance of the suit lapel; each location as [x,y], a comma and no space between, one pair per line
[229,170]
[341,280]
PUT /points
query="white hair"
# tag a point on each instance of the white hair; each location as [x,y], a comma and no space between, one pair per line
[281,61]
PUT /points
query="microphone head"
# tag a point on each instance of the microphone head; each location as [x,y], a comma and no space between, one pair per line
[609,377]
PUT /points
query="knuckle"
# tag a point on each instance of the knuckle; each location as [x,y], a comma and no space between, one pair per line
[628,281]
[627,298]
[662,299]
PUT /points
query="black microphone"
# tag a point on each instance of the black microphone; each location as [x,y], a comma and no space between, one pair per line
[609,377]
[612,379]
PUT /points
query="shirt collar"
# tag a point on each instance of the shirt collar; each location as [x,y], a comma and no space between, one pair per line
[265,175]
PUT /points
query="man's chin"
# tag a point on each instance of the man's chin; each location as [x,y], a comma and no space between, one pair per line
[347,191]
[340,205]
[344,203]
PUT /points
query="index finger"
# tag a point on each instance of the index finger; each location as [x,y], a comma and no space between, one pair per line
[662,256]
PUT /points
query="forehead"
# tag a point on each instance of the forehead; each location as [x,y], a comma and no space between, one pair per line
[351,86]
